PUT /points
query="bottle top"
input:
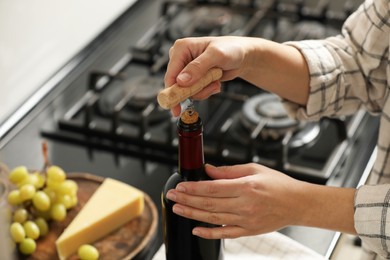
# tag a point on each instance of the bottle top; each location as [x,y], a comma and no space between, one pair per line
[189,121]
[189,116]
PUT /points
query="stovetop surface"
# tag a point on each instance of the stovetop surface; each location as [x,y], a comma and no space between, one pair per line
[22,144]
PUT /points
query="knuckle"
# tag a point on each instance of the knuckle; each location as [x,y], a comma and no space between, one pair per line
[178,45]
[252,185]
[213,218]
[226,234]
[253,166]
[188,213]
[191,188]
[209,204]
[246,210]
[171,49]
[195,66]
[218,53]
[181,199]
[211,189]
[179,42]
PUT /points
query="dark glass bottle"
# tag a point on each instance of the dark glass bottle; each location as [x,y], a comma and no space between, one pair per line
[180,244]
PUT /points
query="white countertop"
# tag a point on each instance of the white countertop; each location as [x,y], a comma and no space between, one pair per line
[37,37]
[270,246]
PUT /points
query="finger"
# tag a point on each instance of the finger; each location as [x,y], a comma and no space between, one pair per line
[175,65]
[190,60]
[220,232]
[226,205]
[231,172]
[215,188]
[194,71]
[176,110]
[205,216]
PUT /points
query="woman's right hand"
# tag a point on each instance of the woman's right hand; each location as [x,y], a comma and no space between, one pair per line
[191,58]
[275,67]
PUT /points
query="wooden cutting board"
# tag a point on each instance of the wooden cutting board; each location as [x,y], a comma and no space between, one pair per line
[124,243]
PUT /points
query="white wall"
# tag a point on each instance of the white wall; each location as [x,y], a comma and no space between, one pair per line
[37,37]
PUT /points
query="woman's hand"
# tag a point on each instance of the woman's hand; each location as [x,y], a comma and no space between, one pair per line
[275,67]
[246,199]
[191,58]
[252,199]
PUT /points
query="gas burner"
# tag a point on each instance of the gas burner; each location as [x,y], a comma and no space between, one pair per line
[265,115]
[205,20]
[266,111]
[132,97]
[143,90]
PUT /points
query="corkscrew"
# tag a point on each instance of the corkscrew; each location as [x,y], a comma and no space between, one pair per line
[189,115]
[170,97]
[189,106]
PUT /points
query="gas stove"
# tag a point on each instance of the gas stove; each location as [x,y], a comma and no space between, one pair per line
[118,111]
[102,117]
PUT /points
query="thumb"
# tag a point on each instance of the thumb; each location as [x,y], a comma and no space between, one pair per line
[198,67]
[194,70]
[229,172]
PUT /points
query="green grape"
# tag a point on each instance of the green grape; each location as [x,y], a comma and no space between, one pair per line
[41,201]
[31,229]
[56,174]
[51,193]
[58,212]
[27,246]
[68,187]
[30,179]
[17,232]
[73,187]
[20,215]
[75,200]
[14,197]
[42,225]
[40,180]
[27,192]
[52,184]
[18,174]
[66,200]
[87,252]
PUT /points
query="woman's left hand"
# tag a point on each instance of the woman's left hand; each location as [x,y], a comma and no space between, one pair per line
[243,199]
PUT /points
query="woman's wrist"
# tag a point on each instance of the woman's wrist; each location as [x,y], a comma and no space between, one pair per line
[277,68]
[325,207]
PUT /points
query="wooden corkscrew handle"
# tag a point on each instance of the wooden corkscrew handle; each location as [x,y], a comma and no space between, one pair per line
[169,97]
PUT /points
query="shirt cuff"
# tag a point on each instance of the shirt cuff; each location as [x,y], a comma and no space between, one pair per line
[372,216]
[323,71]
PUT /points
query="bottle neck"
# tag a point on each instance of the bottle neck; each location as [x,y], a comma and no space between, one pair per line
[191,156]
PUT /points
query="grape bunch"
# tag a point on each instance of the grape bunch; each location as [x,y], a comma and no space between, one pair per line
[37,199]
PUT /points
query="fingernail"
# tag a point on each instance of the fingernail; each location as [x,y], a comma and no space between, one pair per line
[196,232]
[181,188]
[185,76]
[210,166]
[177,209]
[215,91]
[171,195]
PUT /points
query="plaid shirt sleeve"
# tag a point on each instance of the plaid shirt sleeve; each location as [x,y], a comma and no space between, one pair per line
[348,72]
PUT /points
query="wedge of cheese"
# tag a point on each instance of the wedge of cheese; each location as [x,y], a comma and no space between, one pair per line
[113,204]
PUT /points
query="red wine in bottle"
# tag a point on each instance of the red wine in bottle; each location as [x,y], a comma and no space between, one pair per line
[179,242]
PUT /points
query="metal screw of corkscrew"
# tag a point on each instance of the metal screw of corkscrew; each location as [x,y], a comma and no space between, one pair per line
[188,106]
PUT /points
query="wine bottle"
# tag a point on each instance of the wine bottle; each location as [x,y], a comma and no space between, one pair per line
[179,242]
